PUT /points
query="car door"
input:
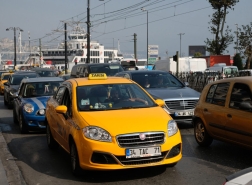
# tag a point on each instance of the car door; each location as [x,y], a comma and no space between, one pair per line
[214,109]
[239,119]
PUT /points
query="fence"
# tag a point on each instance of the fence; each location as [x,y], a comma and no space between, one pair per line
[199,80]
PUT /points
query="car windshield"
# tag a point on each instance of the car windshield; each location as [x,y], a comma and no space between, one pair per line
[156,80]
[5,77]
[110,70]
[35,89]
[112,96]
[46,73]
[16,80]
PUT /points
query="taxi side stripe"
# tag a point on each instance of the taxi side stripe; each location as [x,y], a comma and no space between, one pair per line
[39,103]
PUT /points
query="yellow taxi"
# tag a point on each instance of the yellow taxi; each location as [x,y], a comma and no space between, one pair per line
[108,123]
[4,78]
[224,112]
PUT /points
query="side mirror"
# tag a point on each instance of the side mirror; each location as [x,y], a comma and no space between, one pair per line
[6,83]
[160,102]
[15,95]
[61,109]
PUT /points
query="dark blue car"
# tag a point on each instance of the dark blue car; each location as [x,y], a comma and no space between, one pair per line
[30,102]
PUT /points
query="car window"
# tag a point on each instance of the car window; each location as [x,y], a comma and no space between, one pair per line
[156,80]
[67,102]
[59,95]
[35,89]
[240,93]
[112,96]
[5,77]
[16,79]
[217,94]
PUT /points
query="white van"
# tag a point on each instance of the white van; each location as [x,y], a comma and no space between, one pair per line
[226,71]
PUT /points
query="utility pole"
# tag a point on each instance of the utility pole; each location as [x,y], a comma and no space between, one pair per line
[29,42]
[88,32]
[66,62]
[40,53]
[135,45]
[236,38]
[180,34]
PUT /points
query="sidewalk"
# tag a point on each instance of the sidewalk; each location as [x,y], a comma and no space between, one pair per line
[9,171]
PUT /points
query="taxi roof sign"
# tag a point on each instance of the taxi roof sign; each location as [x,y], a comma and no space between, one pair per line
[97,76]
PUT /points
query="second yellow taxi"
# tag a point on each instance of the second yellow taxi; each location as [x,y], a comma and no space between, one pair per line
[108,123]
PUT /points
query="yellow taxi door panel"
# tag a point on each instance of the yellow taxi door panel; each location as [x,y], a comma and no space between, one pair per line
[61,129]
[214,110]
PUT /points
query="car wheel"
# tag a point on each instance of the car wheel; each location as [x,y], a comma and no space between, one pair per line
[201,135]
[5,102]
[51,143]
[15,120]
[171,165]
[76,169]
[22,125]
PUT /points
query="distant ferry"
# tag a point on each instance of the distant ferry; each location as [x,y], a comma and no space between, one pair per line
[77,50]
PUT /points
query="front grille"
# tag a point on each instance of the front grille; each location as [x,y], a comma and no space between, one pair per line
[181,104]
[133,140]
[141,160]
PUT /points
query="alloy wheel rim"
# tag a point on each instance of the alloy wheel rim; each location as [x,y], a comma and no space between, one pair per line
[200,132]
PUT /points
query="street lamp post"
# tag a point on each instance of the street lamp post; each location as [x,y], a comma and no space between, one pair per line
[180,34]
[147,55]
[15,49]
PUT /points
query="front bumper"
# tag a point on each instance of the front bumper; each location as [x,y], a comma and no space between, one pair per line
[94,155]
[34,122]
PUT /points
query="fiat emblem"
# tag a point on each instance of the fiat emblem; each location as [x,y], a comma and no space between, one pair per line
[142,136]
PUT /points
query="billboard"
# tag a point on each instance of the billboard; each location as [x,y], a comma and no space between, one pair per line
[152,53]
[197,49]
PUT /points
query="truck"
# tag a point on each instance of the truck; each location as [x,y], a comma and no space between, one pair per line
[186,64]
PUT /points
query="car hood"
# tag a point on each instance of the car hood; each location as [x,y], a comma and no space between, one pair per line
[173,93]
[37,102]
[128,120]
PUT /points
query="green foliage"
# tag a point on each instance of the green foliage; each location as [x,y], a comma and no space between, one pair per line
[222,38]
[197,54]
[238,61]
[244,46]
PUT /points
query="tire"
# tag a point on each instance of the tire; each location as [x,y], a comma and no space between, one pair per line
[5,102]
[75,164]
[51,143]
[22,126]
[201,135]
[15,120]
[171,165]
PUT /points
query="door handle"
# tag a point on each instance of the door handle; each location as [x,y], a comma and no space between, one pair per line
[229,115]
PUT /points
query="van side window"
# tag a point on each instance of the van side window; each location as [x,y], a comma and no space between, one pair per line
[217,94]
[240,93]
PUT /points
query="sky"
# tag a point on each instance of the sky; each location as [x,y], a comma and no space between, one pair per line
[173,25]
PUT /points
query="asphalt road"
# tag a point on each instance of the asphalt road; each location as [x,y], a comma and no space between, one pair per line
[27,160]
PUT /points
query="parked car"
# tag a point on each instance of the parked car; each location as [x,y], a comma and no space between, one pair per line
[4,78]
[180,99]
[65,76]
[83,70]
[12,85]
[224,112]
[108,123]
[242,177]
[29,103]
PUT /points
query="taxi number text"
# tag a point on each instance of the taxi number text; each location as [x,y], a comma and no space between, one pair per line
[189,113]
[143,152]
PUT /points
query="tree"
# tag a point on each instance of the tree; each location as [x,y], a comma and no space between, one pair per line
[244,43]
[238,61]
[222,39]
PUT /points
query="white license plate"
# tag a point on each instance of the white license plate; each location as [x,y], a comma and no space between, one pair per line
[188,113]
[143,152]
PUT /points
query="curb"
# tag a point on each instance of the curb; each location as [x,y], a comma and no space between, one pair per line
[9,171]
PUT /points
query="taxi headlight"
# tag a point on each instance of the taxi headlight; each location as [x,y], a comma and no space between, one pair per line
[28,107]
[41,111]
[96,133]
[172,128]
